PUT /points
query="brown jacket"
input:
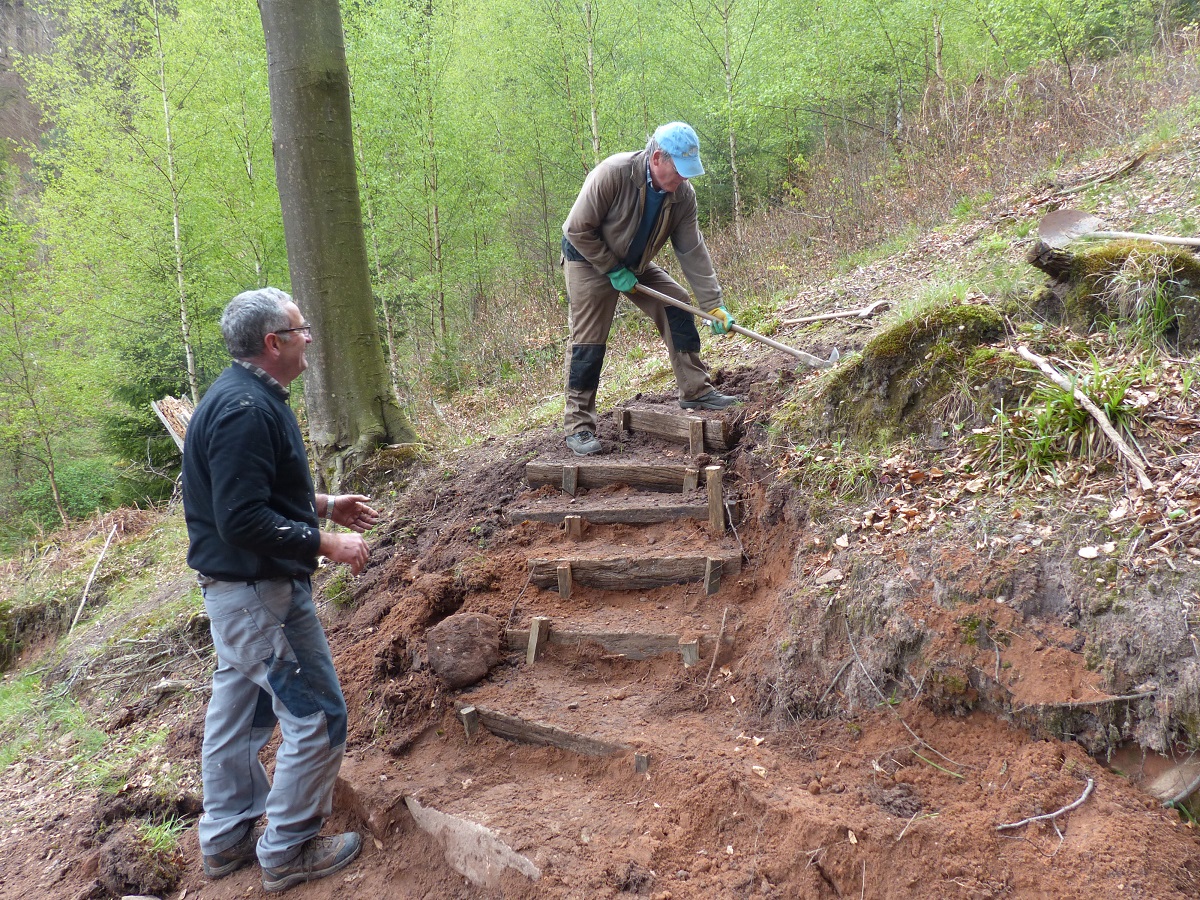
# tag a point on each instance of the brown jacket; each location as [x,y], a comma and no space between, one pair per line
[606,215]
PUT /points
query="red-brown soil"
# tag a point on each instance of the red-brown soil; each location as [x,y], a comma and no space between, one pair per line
[799,763]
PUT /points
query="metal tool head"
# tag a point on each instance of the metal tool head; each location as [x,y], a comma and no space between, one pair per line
[1062,226]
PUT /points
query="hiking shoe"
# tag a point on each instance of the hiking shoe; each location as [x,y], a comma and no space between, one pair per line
[218,865]
[321,856]
[714,399]
[583,443]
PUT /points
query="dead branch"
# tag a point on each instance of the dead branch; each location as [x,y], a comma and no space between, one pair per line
[87,587]
[864,313]
[716,649]
[1054,815]
[1096,413]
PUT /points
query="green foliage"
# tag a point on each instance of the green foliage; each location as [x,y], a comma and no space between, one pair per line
[1051,427]
[162,838]
[85,485]
[33,714]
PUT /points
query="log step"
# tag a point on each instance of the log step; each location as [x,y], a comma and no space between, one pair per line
[631,645]
[633,573]
[526,731]
[699,433]
[640,512]
[666,477]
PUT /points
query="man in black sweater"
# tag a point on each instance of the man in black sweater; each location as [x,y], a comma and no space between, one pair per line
[254,538]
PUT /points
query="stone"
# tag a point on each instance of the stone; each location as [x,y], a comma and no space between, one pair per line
[463,648]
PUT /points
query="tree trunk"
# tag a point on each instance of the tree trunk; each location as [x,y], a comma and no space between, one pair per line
[185,325]
[1055,262]
[351,410]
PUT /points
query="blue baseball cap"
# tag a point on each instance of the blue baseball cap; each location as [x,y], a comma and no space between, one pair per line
[680,141]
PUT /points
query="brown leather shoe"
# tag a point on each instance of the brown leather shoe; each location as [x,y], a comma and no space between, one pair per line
[218,865]
[319,857]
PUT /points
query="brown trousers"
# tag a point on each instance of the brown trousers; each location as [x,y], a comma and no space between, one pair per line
[592,304]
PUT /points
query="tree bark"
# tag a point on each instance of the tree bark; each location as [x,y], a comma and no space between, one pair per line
[351,409]
[1055,262]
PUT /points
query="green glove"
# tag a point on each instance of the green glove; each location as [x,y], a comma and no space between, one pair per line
[622,279]
[723,323]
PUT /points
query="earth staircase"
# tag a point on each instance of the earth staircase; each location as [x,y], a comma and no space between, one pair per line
[628,628]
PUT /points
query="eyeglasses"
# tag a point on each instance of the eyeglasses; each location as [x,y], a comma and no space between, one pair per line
[307,329]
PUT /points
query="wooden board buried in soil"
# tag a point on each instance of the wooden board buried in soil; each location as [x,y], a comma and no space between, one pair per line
[526,731]
[631,573]
[610,510]
[647,476]
[676,427]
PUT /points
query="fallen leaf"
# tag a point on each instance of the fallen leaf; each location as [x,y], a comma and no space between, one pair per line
[975,485]
[378,846]
[759,771]
[1109,547]
[829,577]
[843,541]
[1089,552]
[853,837]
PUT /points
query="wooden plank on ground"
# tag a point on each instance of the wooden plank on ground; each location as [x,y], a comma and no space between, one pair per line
[629,573]
[678,427]
[648,476]
[613,514]
[525,731]
[632,645]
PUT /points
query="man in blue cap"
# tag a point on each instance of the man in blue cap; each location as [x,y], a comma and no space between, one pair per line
[628,207]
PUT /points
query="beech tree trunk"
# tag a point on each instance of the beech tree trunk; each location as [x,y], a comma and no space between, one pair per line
[351,408]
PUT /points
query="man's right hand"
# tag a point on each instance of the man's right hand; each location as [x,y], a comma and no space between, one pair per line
[350,549]
[622,279]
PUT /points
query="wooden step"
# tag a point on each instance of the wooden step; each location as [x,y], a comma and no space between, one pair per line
[527,731]
[641,511]
[677,477]
[631,645]
[633,573]
[699,433]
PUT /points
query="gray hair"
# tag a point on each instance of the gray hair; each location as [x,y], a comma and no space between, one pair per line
[652,145]
[250,317]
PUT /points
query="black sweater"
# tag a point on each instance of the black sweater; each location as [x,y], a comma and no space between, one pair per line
[247,493]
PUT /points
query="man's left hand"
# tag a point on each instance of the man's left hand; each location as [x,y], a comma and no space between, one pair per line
[351,511]
[722,322]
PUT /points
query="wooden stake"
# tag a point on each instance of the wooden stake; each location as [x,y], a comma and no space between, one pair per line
[641,763]
[574,527]
[712,576]
[539,633]
[689,651]
[695,436]
[469,716]
[570,482]
[691,480]
[564,582]
[716,506]
[623,419]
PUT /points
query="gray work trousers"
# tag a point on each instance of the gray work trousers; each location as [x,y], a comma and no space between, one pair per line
[273,666]
[593,302]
